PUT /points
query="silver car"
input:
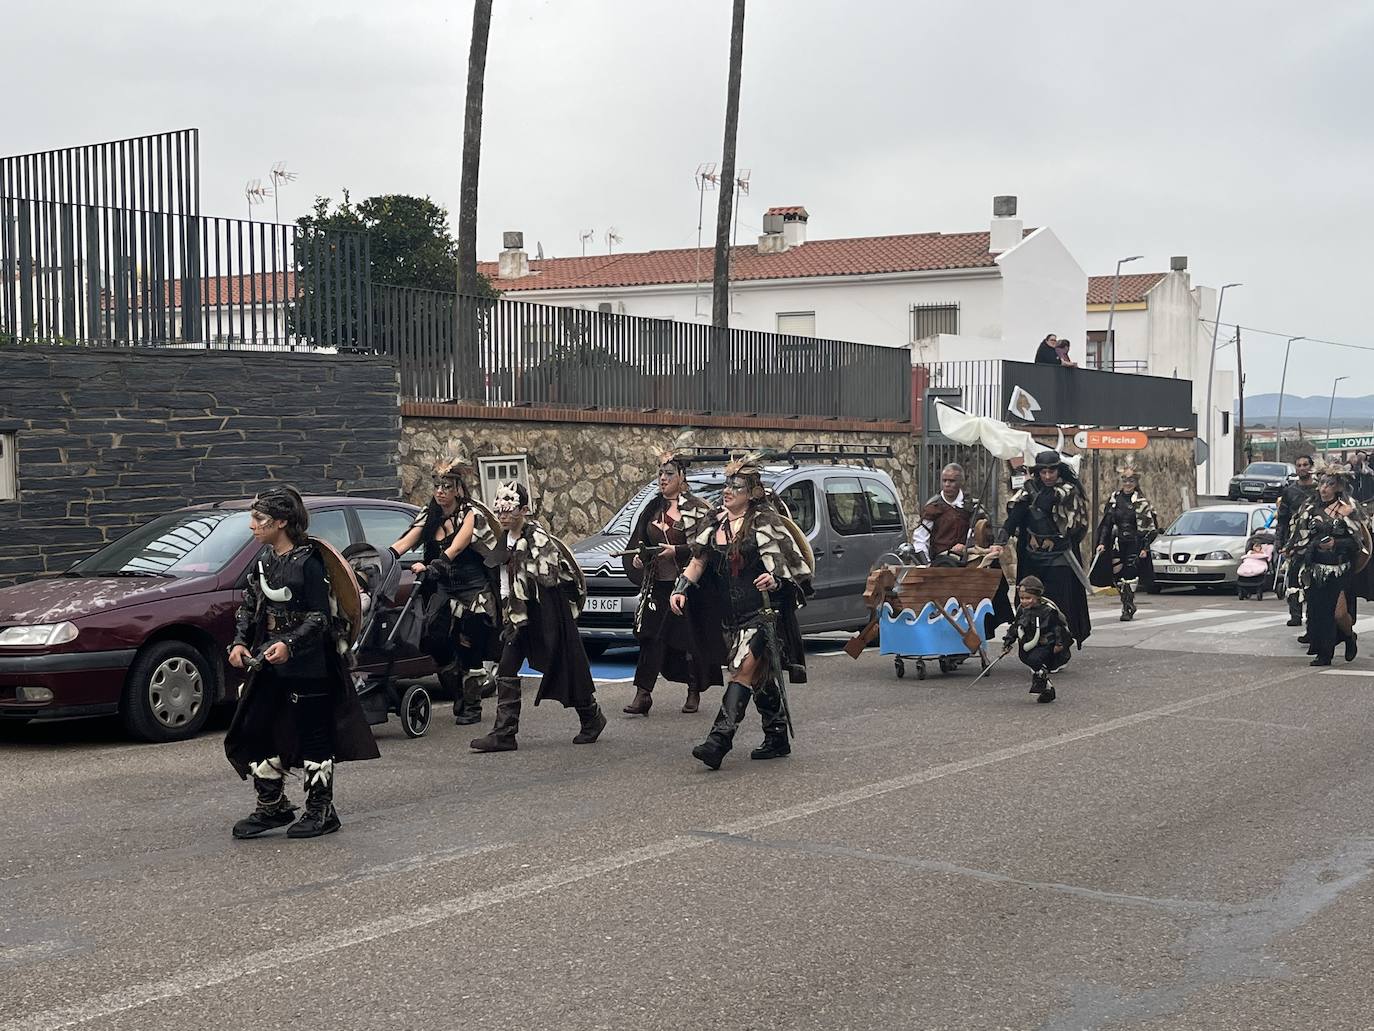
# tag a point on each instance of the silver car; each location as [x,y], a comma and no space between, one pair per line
[1204,546]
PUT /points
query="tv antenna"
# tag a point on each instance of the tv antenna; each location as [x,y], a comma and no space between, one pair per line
[585,236]
[613,237]
[280,177]
[255,193]
[707,178]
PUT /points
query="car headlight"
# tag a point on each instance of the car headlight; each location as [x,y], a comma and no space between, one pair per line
[39,635]
[1217,556]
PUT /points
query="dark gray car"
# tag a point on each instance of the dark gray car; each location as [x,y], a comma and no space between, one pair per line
[849,513]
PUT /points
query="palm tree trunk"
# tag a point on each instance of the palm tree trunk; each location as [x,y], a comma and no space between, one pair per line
[720,283]
[468,378]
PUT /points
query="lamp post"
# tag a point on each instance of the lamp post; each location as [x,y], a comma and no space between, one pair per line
[1278,439]
[1331,409]
[1211,369]
[1111,311]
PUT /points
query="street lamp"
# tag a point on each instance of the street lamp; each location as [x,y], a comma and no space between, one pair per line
[1278,439]
[1331,409]
[1211,369]
[1111,312]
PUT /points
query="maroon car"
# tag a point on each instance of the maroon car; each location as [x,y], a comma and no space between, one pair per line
[141,627]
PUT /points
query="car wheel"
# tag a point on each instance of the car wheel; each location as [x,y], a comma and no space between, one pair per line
[167,694]
[595,649]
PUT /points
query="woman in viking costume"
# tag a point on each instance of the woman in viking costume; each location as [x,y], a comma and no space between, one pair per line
[1337,548]
[458,591]
[1124,536]
[542,592]
[683,649]
[298,707]
[1048,516]
[750,564]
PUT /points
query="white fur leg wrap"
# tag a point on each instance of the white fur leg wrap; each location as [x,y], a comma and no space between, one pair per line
[318,773]
[268,769]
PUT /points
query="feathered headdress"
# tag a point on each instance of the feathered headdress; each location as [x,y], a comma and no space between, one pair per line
[671,456]
[453,467]
[750,467]
[1129,472]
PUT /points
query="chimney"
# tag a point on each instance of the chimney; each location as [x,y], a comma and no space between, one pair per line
[783,229]
[514,261]
[1178,263]
[1005,232]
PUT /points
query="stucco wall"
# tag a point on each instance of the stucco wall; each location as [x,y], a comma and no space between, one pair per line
[1043,291]
[582,473]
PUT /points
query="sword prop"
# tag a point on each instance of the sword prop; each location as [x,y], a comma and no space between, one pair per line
[988,669]
[770,626]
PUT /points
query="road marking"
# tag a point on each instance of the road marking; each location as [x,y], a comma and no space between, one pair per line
[1241,626]
[1244,723]
[1347,673]
[190,980]
[1150,622]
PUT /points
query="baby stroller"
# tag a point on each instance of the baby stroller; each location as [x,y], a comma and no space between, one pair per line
[1256,571]
[379,578]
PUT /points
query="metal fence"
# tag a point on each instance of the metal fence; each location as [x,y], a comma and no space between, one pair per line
[148,173]
[95,274]
[509,352]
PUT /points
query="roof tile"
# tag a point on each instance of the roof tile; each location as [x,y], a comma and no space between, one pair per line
[1131,290]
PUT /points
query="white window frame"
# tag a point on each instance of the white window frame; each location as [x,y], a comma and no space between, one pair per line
[497,469]
[9,467]
[777,322]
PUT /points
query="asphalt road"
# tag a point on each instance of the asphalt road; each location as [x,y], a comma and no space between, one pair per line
[1181,841]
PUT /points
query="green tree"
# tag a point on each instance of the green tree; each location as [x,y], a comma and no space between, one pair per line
[345,251]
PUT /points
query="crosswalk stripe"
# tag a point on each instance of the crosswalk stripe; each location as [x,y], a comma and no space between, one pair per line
[1144,622]
[1242,626]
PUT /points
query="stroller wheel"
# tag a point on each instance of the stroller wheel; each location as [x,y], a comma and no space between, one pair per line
[416,710]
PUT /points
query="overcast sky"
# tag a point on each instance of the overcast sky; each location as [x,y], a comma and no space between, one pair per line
[1233,131]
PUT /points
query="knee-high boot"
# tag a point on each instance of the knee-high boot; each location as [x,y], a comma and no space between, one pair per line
[717,745]
[273,809]
[1128,600]
[467,709]
[593,722]
[507,725]
[768,700]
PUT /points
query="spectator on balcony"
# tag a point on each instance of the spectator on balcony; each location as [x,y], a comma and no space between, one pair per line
[1046,354]
[1062,350]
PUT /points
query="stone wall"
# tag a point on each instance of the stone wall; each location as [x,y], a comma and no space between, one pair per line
[584,471]
[107,438]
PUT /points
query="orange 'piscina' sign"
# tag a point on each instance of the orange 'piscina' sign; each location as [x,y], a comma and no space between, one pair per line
[1117,440]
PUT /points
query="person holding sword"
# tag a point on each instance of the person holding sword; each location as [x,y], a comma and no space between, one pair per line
[751,569]
[680,648]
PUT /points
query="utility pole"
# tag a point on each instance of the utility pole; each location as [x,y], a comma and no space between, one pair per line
[720,282]
[468,374]
[1240,450]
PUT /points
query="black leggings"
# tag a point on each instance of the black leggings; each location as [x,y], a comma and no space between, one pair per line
[312,710]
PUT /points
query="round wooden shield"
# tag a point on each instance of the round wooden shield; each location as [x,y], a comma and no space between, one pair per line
[1367,544]
[344,586]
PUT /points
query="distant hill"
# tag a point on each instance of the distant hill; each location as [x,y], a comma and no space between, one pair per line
[1309,410]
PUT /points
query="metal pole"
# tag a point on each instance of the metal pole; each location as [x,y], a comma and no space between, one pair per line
[1331,408]
[1278,438]
[1111,312]
[1211,369]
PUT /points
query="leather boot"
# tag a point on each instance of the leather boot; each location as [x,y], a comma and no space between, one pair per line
[593,723]
[273,809]
[467,708]
[1127,601]
[713,750]
[1294,610]
[693,702]
[1352,648]
[768,700]
[507,725]
[641,704]
[1041,686]
[319,816]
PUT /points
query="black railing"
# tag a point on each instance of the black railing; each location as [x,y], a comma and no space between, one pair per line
[92,274]
[508,352]
[1052,395]
[146,173]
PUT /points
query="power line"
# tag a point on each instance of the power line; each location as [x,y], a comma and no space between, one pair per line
[1297,336]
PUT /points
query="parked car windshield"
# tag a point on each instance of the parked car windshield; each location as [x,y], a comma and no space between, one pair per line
[1265,469]
[177,544]
[1205,522]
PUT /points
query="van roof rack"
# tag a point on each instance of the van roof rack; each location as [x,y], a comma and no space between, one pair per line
[809,451]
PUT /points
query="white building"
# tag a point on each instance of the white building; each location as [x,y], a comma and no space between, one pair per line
[950,296]
[1162,327]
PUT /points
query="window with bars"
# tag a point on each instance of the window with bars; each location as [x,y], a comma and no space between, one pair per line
[928,320]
